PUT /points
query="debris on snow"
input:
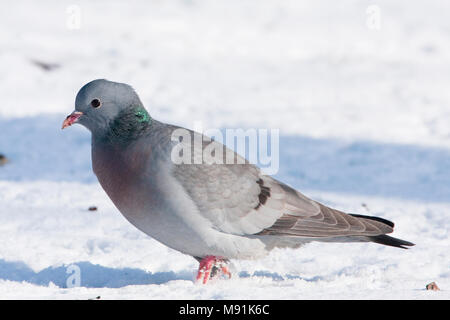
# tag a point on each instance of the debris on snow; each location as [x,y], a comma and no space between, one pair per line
[432,286]
[3,160]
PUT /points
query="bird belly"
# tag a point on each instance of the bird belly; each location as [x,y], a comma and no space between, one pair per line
[158,206]
[197,239]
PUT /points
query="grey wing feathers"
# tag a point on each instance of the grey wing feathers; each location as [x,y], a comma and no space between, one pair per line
[238,199]
[300,220]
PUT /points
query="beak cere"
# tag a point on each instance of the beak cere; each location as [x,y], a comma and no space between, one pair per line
[71,119]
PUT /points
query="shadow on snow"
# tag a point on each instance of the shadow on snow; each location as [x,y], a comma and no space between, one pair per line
[97,276]
[90,275]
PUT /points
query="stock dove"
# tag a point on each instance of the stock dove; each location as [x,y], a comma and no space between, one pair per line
[213,211]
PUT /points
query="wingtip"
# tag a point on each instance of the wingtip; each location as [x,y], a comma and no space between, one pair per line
[387,222]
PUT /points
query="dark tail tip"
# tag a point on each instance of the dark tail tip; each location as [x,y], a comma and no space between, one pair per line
[390,241]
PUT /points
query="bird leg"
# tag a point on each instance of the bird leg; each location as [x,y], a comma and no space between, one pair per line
[210,267]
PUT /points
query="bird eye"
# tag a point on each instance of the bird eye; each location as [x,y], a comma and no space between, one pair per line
[96,103]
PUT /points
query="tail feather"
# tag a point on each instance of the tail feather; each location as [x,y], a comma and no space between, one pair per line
[390,241]
[384,239]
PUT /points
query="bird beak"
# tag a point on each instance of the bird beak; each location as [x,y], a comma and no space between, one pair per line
[71,119]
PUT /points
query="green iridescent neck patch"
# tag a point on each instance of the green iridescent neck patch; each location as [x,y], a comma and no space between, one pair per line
[142,115]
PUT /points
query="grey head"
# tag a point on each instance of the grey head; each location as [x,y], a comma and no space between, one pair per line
[110,110]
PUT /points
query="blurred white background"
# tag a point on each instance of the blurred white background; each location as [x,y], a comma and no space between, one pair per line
[375,70]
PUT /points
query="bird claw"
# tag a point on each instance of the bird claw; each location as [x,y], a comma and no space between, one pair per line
[211,267]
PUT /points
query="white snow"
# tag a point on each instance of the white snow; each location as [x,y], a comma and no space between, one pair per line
[363,116]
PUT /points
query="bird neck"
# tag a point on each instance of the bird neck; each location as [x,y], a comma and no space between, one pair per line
[129,125]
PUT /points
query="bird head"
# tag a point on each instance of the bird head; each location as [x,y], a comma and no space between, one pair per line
[101,105]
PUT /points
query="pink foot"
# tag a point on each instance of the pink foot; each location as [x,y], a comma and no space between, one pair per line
[207,264]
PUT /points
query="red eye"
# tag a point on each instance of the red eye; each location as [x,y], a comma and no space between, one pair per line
[96,103]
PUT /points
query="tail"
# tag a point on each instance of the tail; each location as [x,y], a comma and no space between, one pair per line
[390,241]
[384,239]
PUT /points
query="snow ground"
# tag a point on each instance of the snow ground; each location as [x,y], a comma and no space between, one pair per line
[363,116]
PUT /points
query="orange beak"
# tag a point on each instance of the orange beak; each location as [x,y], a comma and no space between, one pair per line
[71,119]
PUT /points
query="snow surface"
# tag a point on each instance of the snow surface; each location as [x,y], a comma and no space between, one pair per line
[363,116]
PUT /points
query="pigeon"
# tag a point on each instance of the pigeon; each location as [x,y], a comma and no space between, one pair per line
[203,206]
